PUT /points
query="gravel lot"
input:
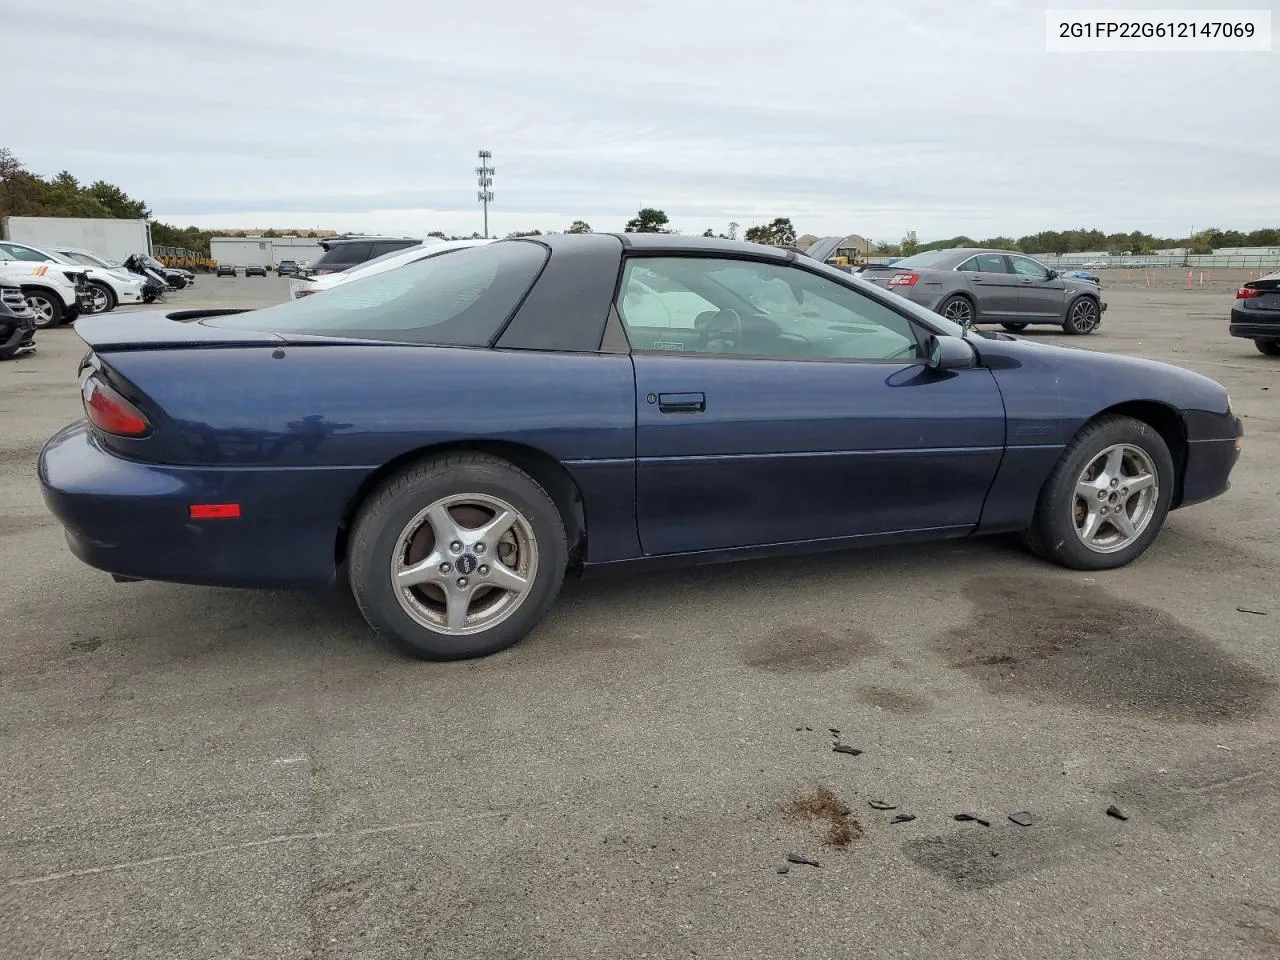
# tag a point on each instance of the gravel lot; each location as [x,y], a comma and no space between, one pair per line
[195,772]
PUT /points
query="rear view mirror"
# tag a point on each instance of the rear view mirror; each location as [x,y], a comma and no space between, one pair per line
[949,353]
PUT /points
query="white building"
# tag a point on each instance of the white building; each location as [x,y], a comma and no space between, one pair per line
[263,251]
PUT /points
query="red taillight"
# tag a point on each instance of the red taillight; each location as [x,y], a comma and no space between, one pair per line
[904,280]
[1248,293]
[215,511]
[110,412]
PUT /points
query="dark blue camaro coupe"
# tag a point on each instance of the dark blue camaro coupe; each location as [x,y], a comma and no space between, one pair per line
[453,436]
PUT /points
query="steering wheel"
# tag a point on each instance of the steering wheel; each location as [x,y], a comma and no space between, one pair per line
[713,328]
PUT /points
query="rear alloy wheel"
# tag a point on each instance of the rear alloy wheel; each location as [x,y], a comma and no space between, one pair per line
[47,308]
[1082,317]
[102,298]
[958,310]
[1107,498]
[457,556]
[1014,327]
[1270,347]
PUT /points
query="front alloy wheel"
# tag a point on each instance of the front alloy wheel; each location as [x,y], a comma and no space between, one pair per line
[1083,317]
[1116,497]
[47,310]
[1106,499]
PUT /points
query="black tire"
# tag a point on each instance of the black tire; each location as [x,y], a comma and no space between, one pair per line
[393,505]
[47,305]
[958,304]
[1270,347]
[112,301]
[1083,316]
[1052,534]
[1014,327]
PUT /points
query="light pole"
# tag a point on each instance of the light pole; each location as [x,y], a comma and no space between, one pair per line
[484,177]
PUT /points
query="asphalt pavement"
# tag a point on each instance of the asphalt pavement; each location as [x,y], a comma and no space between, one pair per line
[202,773]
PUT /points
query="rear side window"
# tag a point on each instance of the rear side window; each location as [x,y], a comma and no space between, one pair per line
[463,299]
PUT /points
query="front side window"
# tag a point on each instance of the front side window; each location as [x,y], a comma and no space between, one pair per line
[463,299]
[746,308]
[1026,267]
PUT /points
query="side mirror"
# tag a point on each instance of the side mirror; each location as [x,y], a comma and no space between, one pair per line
[1054,274]
[949,353]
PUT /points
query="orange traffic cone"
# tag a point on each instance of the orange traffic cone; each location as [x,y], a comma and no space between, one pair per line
[1188,279]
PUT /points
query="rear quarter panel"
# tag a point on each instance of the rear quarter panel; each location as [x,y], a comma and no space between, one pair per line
[352,409]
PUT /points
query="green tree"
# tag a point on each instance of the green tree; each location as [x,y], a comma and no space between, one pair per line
[778,233]
[579,226]
[910,246]
[524,233]
[648,220]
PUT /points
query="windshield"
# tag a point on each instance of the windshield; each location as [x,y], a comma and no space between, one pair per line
[463,299]
[86,259]
[923,261]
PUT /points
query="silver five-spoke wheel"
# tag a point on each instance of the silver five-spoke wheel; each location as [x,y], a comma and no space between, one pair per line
[1115,498]
[1084,316]
[464,564]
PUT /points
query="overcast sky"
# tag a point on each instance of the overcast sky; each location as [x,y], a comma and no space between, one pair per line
[849,117]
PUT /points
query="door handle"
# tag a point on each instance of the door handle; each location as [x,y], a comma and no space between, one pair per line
[682,402]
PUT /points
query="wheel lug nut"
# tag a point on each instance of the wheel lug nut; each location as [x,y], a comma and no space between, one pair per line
[446,567]
[463,581]
[1115,482]
[1102,494]
[479,548]
[455,546]
[1104,511]
[484,570]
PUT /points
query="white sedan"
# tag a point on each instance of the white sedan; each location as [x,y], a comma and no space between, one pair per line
[305,286]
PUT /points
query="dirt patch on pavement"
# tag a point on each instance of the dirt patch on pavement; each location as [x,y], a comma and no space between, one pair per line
[823,806]
[1074,642]
[895,701]
[801,649]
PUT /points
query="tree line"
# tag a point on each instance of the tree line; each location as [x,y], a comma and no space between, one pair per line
[27,194]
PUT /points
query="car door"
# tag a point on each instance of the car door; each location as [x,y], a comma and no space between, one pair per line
[776,405]
[994,285]
[1041,294]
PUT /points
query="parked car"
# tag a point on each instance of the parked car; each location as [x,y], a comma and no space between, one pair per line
[56,294]
[1256,313]
[305,286]
[972,286]
[226,270]
[450,437]
[286,268]
[342,253]
[155,284]
[17,323]
[111,284]
[173,277]
[255,270]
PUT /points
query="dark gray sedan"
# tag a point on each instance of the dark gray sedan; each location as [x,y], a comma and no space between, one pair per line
[972,286]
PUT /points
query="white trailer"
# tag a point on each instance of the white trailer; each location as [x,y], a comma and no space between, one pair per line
[109,238]
[263,251]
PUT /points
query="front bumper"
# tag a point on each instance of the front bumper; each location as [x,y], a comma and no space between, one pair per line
[133,519]
[1209,464]
[17,336]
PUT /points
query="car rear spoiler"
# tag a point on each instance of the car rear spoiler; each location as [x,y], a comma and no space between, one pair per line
[150,331]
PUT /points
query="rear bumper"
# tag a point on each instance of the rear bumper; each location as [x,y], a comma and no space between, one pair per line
[133,519]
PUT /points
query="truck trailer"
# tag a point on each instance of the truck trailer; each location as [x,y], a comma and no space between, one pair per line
[109,238]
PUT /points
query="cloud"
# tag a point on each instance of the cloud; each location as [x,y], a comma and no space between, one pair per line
[932,116]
